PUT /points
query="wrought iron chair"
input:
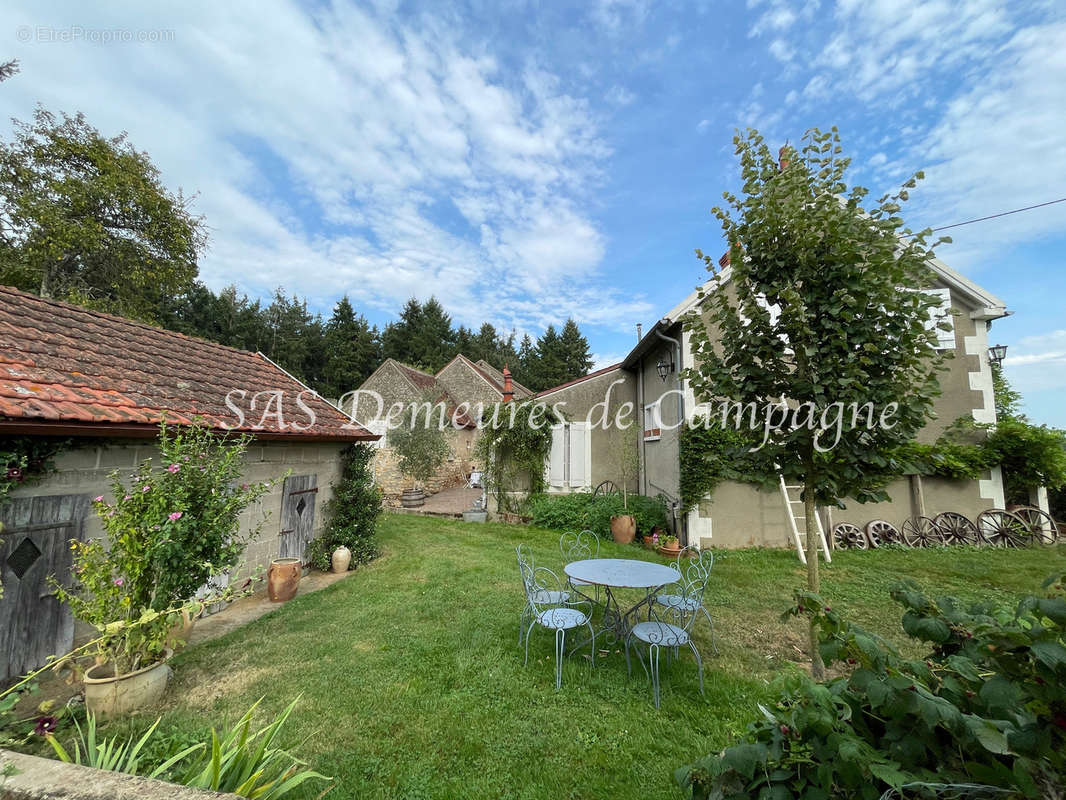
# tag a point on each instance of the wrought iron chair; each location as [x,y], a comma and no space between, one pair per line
[577,547]
[695,567]
[527,567]
[550,607]
[657,634]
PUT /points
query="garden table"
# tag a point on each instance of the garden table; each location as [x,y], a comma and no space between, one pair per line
[622,573]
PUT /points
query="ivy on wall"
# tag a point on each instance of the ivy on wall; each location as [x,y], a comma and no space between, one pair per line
[514,442]
[27,459]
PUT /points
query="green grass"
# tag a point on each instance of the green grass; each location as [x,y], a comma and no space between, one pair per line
[413,684]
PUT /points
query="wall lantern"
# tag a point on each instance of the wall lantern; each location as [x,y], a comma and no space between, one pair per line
[664,368]
[996,353]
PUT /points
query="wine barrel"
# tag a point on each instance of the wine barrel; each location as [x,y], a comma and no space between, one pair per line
[412,498]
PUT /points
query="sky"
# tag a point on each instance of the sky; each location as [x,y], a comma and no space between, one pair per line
[527,162]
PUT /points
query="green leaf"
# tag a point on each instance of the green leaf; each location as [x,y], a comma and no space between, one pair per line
[744,758]
[990,737]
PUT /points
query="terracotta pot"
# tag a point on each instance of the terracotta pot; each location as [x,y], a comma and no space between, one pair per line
[670,552]
[283,578]
[623,528]
[649,543]
[340,559]
[107,693]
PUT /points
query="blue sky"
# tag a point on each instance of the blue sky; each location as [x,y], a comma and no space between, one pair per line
[527,162]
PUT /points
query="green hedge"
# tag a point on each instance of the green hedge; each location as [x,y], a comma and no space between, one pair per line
[587,512]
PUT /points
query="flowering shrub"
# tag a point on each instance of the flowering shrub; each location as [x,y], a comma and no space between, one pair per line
[352,514]
[169,531]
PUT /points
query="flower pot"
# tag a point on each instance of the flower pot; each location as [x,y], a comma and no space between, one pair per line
[670,552]
[283,578]
[340,559]
[649,543]
[107,693]
[623,528]
[412,498]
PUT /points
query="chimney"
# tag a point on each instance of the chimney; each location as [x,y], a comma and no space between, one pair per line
[640,332]
[508,387]
[782,162]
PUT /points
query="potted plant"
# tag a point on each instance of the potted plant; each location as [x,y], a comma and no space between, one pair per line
[669,546]
[169,532]
[421,447]
[627,461]
[651,539]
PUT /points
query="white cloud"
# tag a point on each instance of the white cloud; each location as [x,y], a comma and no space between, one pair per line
[620,96]
[614,15]
[329,164]
[703,125]
[781,50]
[1038,363]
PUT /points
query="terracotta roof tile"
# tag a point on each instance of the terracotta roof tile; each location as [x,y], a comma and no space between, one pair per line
[62,363]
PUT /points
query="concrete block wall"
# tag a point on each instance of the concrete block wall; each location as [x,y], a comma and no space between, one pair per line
[87,470]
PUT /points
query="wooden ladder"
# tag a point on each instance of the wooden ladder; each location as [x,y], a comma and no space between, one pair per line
[798,522]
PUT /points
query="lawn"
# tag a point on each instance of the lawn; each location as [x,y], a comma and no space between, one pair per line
[413,686]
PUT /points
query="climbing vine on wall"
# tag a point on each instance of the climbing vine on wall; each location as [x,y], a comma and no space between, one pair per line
[513,444]
[710,454]
[26,459]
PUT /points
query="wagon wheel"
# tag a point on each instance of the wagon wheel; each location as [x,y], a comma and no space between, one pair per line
[847,536]
[880,532]
[921,532]
[1038,524]
[604,488]
[1003,528]
[956,528]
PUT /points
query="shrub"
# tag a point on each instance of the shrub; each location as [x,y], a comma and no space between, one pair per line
[986,707]
[593,512]
[175,526]
[352,513]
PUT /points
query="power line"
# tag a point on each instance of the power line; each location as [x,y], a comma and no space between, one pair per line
[1001,214]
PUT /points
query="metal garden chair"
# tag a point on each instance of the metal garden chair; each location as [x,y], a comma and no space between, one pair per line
[657,634]
[695,567]
[578,547]
[526,566]
[550,607]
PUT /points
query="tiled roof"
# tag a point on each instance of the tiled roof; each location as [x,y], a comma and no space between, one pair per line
[72,371]
[429,385]
[421,380]
[582,379]
[497,378]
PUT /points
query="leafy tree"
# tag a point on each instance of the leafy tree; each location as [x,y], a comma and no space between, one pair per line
[351,350]
[422,337]
[420,443]
[294,337]
[812,312]
[87,218]
[549,366]
[9,69]
[526,362]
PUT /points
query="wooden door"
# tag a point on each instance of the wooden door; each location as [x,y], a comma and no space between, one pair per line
[35,543]
[297,515]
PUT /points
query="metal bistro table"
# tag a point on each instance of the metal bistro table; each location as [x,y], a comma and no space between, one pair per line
[622,573]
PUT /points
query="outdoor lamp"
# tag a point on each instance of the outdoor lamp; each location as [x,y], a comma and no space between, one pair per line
[996,353]
[664,368]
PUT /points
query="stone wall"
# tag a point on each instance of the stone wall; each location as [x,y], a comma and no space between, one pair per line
[465,384]
[453,472]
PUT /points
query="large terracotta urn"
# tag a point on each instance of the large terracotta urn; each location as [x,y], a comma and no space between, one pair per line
[283,578]
[623,528]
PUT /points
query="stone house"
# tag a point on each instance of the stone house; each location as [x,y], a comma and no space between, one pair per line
[461,385]
[648,384]
[101,384]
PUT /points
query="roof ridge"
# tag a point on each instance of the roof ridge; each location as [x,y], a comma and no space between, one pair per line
[119,319]
[571,382]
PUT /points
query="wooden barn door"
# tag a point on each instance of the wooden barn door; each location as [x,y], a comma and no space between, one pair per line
[297,514]
[35,543]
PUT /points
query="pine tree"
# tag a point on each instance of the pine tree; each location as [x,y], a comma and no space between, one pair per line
[575,352]
[352,350]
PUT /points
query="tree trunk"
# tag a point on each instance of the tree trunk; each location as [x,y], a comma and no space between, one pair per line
[813,579]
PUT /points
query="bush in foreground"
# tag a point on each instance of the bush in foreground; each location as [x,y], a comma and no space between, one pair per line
[986,708]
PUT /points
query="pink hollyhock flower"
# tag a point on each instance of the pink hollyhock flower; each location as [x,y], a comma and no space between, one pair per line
[145,488]
[173,468]
[99,499]
[175,516]
[119,581]
[127,497]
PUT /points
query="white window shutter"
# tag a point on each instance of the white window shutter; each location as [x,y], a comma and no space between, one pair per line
[579,477]
[938,315]
[557,456]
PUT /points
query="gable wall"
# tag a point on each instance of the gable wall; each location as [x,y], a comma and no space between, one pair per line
[466,385]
